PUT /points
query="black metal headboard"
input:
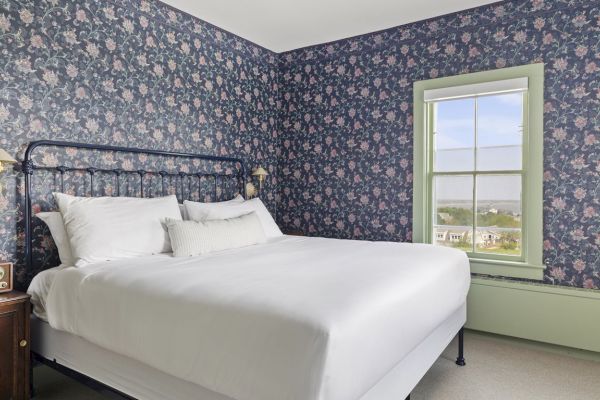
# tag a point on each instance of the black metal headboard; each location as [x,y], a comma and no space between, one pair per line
[169,181]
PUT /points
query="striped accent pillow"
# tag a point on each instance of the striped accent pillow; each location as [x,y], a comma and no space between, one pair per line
[193,238]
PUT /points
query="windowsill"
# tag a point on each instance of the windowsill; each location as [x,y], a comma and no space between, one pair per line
[509,269]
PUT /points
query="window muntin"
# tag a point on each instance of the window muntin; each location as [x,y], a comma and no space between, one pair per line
[477,173]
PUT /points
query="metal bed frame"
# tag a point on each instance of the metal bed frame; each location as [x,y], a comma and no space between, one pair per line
[29,167]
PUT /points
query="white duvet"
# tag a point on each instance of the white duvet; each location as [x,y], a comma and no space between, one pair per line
[293,319]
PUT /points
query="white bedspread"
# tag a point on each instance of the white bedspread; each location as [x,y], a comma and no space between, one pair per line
[39,288]
[293,319]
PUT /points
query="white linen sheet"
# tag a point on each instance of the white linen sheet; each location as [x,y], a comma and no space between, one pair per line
[295,318]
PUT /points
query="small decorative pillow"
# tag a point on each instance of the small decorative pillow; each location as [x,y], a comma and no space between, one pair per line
[55,223]
[193,238]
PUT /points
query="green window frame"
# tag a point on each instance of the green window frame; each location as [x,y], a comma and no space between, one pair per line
[530,264]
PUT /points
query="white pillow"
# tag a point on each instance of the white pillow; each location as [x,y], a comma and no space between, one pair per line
[183,212]
[192,238]
[236,199]
[267,221]
[207,211]
[109,228]
[212,211]
[55,223]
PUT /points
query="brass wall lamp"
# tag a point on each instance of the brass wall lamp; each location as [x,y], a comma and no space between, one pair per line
[261,174]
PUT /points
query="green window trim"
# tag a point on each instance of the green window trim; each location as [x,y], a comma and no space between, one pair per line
[531,265]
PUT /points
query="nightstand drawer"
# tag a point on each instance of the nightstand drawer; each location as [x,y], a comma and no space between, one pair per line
[14,342]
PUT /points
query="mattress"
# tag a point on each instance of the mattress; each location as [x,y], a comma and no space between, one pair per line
[295,318]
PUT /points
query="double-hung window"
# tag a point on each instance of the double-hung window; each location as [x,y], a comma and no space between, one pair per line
[478,168]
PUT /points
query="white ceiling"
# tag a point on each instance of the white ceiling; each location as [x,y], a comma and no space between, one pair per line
[282,25]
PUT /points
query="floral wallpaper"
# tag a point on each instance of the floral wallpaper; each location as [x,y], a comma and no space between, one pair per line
[129,73]
[333,122]
[345,160]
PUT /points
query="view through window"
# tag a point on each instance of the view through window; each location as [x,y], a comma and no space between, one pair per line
[477,173]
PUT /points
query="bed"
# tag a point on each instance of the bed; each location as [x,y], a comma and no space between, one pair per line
[292,318]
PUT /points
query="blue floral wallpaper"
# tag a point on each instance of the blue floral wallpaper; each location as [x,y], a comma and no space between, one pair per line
[332,122]
[129,73]
[345,159]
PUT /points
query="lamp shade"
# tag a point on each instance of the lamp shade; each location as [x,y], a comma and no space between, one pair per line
[6,158]
[260,171]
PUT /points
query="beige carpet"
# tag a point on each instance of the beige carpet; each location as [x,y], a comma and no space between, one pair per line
[500,370]
[496,370]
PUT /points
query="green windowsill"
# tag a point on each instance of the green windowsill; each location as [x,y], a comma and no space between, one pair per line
[509,269]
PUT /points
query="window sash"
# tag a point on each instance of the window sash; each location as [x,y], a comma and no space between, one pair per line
[432,173]
[475,254]
[430,110]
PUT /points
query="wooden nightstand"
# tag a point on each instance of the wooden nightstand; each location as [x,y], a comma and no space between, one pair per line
[14,345]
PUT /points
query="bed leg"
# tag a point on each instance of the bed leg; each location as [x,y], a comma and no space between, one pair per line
[460,360]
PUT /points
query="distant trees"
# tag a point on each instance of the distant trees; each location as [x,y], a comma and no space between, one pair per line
[457,216]
[464,217]
[500,220]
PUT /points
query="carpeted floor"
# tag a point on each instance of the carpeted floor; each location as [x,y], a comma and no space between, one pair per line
[496,370]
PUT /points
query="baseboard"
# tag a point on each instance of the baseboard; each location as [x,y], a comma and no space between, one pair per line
[534,345]
[542,313]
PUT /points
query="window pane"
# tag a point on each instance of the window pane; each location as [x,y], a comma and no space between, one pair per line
[500,132]
[453,211]
[499,214]
[454,135]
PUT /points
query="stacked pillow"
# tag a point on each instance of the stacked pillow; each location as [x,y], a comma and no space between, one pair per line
[237,199]
[93,229]
[110,228]
[214,211]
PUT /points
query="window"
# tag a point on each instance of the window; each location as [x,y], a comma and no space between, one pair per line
[478,168]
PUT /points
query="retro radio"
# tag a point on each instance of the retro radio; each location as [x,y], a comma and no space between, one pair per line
[6,277]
